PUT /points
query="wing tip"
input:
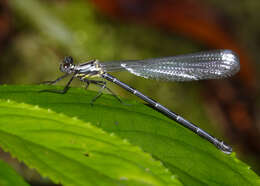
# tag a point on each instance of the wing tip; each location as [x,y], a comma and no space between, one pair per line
[231,61]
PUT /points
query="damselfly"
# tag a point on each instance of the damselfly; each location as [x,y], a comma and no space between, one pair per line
[197,66]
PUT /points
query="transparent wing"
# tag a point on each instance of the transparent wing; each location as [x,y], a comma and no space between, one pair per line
[197,66]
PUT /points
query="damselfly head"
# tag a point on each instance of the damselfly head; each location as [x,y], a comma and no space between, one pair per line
[67,65]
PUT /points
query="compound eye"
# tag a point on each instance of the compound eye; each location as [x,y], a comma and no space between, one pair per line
[68,60]
[66,65]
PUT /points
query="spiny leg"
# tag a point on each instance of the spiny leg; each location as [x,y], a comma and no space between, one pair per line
[99,94]
[66,88]
[54,81]
[89,81]
[87,85]
[113,94]
[103,86]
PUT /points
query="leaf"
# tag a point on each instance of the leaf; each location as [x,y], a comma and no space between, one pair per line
[194,160]
[8,177]
[72,152]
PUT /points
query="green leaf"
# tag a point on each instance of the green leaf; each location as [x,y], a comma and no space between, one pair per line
[8,177]
[72,152]
[194,160]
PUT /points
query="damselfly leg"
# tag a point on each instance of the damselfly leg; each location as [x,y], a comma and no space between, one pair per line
[103,86]
[54,81]
[66,88]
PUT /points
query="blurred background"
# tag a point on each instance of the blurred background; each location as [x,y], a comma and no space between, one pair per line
[35,35]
